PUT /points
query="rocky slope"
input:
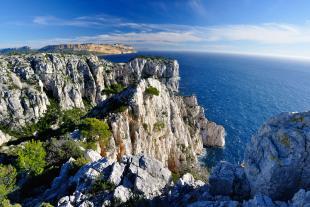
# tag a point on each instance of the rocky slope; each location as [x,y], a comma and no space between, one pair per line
[90,47]
[143,181]
[166,126]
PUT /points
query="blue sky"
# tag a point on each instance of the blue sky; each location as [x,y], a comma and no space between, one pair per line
[276,27]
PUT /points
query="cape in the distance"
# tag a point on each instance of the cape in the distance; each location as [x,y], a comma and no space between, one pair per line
[85,48]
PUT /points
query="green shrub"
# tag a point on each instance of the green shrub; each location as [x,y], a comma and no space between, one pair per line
[46,205]
[7,203]
[113,89]
[120,108]
[31,158]
[70,119]
[152,91]
[60,151]
[88,145]
[7,180]
[175,177]
[101,185]
[95,130]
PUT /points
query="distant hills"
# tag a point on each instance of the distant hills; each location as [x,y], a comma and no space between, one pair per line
[99,49]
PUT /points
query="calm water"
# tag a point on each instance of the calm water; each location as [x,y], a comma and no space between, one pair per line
[239,92]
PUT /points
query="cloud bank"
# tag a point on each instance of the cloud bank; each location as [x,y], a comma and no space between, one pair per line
[175,36]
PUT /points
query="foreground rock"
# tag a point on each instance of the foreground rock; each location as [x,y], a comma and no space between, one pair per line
[117,182]
[142,181]
[277,158]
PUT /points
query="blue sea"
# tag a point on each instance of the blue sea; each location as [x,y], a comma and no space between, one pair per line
[239,92]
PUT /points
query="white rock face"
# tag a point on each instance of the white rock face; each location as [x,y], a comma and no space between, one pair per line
[168,127]
[159,125]
[4,138]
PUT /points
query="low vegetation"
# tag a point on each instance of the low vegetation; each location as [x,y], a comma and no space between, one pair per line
[101,185]
[7,181]
[31,158]
[7,203]
[159,126]
[60,151]
[113,89]
[154,58]
[152,91]
[95,130]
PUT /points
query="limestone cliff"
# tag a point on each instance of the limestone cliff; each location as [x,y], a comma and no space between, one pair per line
[166,126]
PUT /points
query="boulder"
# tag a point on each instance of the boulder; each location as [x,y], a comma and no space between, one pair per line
[122,194]
[215,135]
[92,155]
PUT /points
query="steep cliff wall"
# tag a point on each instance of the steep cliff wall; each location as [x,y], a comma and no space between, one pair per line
[166,126]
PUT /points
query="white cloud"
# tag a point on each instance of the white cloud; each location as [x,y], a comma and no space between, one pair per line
[83,21]
[271,33]
[268,33]
[267,37]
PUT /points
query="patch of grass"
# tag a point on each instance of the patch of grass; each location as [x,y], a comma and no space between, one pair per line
[297,119]
[159,126]
[145,126]
[285,140]
[152,91]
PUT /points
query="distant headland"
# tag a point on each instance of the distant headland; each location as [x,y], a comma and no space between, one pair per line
[86,48]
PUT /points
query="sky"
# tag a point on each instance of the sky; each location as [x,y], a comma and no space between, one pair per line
[266,27]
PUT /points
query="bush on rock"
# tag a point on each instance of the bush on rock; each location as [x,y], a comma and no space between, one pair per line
[31,159]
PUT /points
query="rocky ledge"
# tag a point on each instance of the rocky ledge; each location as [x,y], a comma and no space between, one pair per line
[138,99]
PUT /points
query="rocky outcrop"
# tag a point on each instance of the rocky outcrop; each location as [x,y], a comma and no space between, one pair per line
[215,135]
[143,181]
[132,176]
[277,158]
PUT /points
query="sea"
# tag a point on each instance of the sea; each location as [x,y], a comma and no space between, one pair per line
[239,92]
